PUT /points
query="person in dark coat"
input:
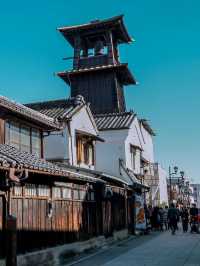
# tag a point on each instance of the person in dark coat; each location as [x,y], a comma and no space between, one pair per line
[165,217]
[185,219]
[155,218]
[161,214]
[173,217]
[194,219]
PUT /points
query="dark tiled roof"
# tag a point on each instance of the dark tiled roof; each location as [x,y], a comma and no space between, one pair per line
[58,109]
[12,157]
[147,126]
[116,23]
[114,121]
[9,106]
[124,74]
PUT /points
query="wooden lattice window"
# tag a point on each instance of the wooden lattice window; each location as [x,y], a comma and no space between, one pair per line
[67,193]
[82,194]
[57,193]
[17,191]
[76,195]
[30,190]
[43,191]
[84,150]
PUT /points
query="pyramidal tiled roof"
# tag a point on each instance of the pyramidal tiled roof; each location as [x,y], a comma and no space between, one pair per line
[113,121]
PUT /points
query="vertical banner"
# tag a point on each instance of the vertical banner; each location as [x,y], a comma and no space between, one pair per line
[140,213]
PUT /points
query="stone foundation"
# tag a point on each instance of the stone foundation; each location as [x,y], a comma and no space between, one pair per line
[59,255]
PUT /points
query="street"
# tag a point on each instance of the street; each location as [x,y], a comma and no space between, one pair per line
[156,249]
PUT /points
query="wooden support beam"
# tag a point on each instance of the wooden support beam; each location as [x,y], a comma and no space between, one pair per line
[11,241]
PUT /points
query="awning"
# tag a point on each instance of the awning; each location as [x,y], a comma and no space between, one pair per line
[92,136]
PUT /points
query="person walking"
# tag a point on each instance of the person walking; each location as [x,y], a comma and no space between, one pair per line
[185,219]
[194,219]
[156,218]
[161,214]
[165,217]
[173,218]
[151,216]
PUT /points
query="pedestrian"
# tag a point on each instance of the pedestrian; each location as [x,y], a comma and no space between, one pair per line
[165,217]
[161,218]
[194,219]
[173,218]
[185,219]
[178,217]
[156,218]
[151,216]
[147,216]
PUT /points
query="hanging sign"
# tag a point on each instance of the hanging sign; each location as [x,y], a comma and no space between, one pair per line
[140,213]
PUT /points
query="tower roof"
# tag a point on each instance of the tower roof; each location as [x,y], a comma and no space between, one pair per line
[115,24]
[124,74]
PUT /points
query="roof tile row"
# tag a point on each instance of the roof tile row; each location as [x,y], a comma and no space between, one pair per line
[114,120]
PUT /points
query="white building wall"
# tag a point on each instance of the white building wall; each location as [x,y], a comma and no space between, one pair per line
[82,122]
[109,152]
[117,146]
[147,145]
[56,146]
[62,145]
[133,137]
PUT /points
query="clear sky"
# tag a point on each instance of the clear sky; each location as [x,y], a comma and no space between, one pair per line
[165,60]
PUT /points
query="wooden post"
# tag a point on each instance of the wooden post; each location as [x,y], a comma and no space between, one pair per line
[11,241]
[110,48]
[77,50]
[99,188]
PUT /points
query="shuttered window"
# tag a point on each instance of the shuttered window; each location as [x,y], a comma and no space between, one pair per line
[84,150]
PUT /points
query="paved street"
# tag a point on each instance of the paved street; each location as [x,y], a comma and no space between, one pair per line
[156,249]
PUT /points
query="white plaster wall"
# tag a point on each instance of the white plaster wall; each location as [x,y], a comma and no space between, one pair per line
[63,145]
[81,121]
[147,145]
[134,137]
[117,146]
[162,184]
[56,145]
[109,152]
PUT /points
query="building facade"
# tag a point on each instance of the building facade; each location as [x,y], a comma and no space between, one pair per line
[196,194]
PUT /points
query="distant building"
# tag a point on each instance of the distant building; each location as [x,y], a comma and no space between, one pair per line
[161,176]
[196,194]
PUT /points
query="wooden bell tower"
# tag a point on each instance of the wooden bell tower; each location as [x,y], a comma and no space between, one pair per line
[97,73]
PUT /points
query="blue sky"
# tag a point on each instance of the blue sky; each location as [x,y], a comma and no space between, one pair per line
[165,59]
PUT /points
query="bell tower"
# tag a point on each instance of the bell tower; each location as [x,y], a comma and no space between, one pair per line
[97,73]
